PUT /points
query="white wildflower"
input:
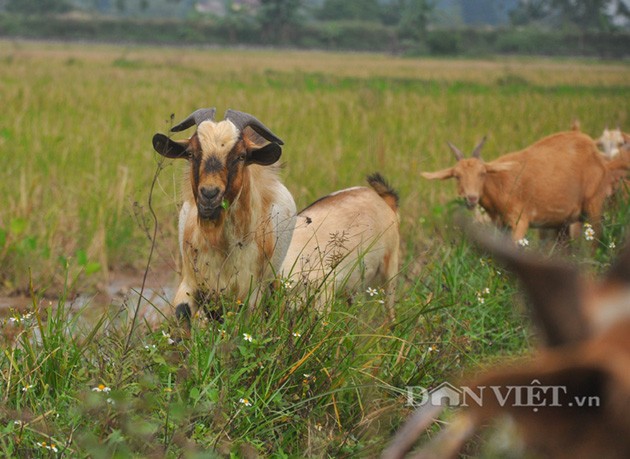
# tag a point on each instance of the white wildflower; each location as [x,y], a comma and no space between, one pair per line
[168,337]
[101,388]
[52,447]
[589,232]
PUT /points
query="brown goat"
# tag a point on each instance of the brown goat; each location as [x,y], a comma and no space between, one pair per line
[572,398]
[556,181]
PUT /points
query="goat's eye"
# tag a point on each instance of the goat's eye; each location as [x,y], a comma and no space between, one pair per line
[242,157]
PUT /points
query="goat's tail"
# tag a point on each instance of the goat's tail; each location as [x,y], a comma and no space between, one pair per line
[384,190]
[575,125]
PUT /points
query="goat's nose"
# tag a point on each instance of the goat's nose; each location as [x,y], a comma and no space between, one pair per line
[209,193]
[472,199]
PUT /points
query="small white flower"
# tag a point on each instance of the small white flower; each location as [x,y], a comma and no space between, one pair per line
[101,388]
[589,232]
[51,447]
[150,347]
[168,337]
[297,334]
[481,299]
[27,388]
[247,337]
[612,245]
[432,349]
[486,290]
[245,401]
[110,401]
[287,283]
[523,242]
[371,291]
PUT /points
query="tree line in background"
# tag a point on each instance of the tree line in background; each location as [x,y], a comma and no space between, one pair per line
[408,26]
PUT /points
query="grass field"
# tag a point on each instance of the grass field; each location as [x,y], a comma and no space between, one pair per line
[78,166]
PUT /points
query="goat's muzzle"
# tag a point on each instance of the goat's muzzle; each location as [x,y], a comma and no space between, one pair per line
[209,203]
[472,201]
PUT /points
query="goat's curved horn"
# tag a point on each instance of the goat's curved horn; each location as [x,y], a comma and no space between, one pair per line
[196,117]
[477,151]
[242,120]
[458,154]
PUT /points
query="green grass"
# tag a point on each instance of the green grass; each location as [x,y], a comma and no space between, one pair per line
[78,167]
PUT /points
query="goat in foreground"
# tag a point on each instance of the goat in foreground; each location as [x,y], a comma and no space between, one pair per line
[346,241]
[237,218]
[558,180]
[577,396]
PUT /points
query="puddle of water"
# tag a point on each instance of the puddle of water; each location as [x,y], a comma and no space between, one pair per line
[117,302]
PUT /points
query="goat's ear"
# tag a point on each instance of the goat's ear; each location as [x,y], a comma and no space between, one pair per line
[170,148]
[555,289]
[438,175]
[265,156]
[495,166]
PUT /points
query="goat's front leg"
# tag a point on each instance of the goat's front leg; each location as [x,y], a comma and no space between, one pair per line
[186,303]
[519,228]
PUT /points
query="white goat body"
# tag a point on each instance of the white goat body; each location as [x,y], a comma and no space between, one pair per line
[346,242]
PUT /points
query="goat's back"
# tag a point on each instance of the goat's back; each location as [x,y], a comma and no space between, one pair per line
[353,232]
[553,176]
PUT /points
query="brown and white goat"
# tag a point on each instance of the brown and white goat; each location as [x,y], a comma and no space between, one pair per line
[346,242]
[237,218]
[556,181]
[569,400]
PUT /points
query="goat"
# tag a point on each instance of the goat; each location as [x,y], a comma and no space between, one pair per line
[577,387]
[237,218]
[346,241]
[611,141]
[556,181]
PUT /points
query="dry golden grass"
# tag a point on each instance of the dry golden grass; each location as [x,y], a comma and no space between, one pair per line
[79,120]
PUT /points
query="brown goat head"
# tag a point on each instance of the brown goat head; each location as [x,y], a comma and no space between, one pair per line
[470,173]
[578,383]
[219,154]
